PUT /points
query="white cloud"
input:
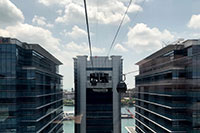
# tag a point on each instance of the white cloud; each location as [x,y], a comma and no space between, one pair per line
[41,21]
[10,14]
[52,2]
[4,33]
[135,8]
[76,33]
[69,51]
[35,34]
[130,78]
[104,13]
[82,49]
[32,34]
[38,35]
[59,12]
[45,38]
[118,47]
[143,38]
[196,35]
[49,25]
[194,22]
[73,13]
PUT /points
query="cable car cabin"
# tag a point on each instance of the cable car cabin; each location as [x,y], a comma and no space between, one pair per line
[121,87]
[98,78]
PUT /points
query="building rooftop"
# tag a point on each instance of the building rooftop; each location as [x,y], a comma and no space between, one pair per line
[176,45]
[35,47]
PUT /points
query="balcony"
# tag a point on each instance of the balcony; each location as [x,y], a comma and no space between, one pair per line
[163,125]
[38,105]
[50,120]
[57,126]
[145,125]
[164,104]
[164,63]
[167,94]
[165,82]
[168,116]
[139,128]
[40,116]
[38,93]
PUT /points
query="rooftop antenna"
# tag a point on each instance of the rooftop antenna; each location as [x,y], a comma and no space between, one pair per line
[164,44]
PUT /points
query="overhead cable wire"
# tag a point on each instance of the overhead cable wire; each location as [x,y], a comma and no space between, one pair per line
[119,27]
[97,20]
[117,32]
[131,72]
[88,31]
[142,6]
[136,14]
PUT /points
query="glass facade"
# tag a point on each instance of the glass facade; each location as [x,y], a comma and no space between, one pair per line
[30,89]
[96,96]
[99,111]
[168,90]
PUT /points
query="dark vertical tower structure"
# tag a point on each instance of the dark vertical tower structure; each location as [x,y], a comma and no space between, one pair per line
[96,96]
[30,89]
[168,90]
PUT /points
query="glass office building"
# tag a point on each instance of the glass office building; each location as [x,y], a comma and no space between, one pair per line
[168,90]
[96,96]
[30,89]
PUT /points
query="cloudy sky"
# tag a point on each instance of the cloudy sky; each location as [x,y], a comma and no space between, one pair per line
[59,26]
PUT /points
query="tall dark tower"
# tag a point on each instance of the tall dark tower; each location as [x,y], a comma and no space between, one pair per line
[96,96]
[168,90]
[30,89]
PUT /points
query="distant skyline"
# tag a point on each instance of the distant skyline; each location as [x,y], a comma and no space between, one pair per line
[59,26]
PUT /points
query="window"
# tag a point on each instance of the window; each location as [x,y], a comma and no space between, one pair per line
[98,78]
[17,53]
[57,69]
[34,53]
[30,128]
[189,52]
[171,53]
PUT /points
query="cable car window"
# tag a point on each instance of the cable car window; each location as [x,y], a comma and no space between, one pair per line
[99,78]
